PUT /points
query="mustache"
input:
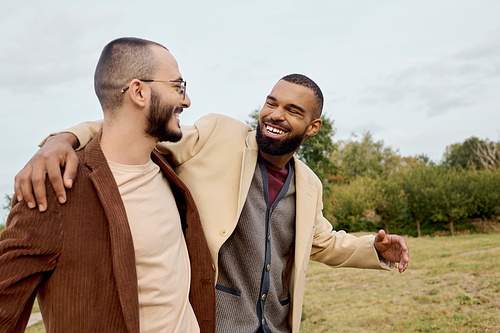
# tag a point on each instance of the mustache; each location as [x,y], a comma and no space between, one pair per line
[178,109]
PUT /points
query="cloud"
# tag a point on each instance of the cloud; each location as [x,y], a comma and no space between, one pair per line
[51,45]
[449,82]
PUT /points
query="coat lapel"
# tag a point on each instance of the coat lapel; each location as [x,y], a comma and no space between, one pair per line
[202,291]
[122,246]
[250,155]
[306,196]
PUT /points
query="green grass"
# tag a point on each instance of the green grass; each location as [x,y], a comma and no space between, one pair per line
[443,290]
[38,327]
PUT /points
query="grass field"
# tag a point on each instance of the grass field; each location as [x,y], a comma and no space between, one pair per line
[452,285]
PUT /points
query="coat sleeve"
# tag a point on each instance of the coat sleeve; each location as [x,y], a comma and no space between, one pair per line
[340,249]
[85,132]
[29,248]
[212,130]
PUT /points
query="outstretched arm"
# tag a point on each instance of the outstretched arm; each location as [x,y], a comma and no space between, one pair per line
[392,248]
[57,152]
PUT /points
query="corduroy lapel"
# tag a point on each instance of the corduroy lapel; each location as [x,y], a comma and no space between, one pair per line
[122,245]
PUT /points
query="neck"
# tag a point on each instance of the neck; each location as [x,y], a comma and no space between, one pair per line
[124,142]
[279,161]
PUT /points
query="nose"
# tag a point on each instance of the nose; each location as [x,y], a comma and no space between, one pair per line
[186,102]
[278,114]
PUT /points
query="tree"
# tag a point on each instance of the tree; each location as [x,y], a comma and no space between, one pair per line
[366,158]
[452,199]
[419,186]
[6,206]
[350,203]
[254,118]
[484,189]
[317,151]
[390,200]
[471,154]
[488,154]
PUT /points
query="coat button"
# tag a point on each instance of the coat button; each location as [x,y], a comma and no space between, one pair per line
[268,267]
[213,267]
[263,297]
[224,232]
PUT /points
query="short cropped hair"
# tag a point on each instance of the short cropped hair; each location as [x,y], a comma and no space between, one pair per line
[121,61]
[304,81]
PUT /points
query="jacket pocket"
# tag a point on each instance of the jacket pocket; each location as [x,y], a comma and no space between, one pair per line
[285,301]
[228,290]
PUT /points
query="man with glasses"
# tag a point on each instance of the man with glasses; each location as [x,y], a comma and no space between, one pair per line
[260,207]
[115,257]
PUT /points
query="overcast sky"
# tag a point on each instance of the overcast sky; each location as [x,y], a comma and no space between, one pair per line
[419,75]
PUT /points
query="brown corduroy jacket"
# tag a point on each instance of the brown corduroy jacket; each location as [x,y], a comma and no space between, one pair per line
[79,257]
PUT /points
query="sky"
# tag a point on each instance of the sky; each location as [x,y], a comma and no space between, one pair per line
[419,75]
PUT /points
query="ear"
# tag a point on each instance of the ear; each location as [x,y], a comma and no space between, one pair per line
[138,92]
[314,127]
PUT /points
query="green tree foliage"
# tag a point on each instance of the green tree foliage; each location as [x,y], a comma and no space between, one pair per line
[484,188]
[473,154]
[6,206]
[317,151]
[254,118]
[419,187]
[390,201]
[366,158]
[452,199]
[7,203]
[350,205]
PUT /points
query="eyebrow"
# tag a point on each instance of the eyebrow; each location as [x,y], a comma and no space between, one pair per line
[295,106]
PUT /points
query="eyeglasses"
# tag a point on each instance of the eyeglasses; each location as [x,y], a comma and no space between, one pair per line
[183,83]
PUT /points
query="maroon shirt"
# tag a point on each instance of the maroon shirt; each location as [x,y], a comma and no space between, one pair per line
[276,177]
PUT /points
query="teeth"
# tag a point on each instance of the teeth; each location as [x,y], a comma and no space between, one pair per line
[274,130]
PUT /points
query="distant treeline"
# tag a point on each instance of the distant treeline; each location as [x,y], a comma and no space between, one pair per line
[368,186]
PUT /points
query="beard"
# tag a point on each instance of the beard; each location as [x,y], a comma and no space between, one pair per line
[277,147]
[158,119]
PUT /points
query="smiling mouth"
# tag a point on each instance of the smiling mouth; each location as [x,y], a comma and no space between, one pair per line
[274,130]
[177,112]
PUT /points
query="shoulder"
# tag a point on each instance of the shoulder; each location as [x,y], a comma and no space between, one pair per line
[303,171]
[222,122]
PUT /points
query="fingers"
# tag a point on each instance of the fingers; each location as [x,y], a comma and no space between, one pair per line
[402,265]
[22,186]
[38,182]
[30,182]
[17,185]
[404,256]
[380,236]
[70,169]
[55,177]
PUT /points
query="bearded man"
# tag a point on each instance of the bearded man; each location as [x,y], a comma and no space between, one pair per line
[115,257]
[260,207]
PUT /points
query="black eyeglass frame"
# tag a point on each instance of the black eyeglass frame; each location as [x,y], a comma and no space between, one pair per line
[182,82]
